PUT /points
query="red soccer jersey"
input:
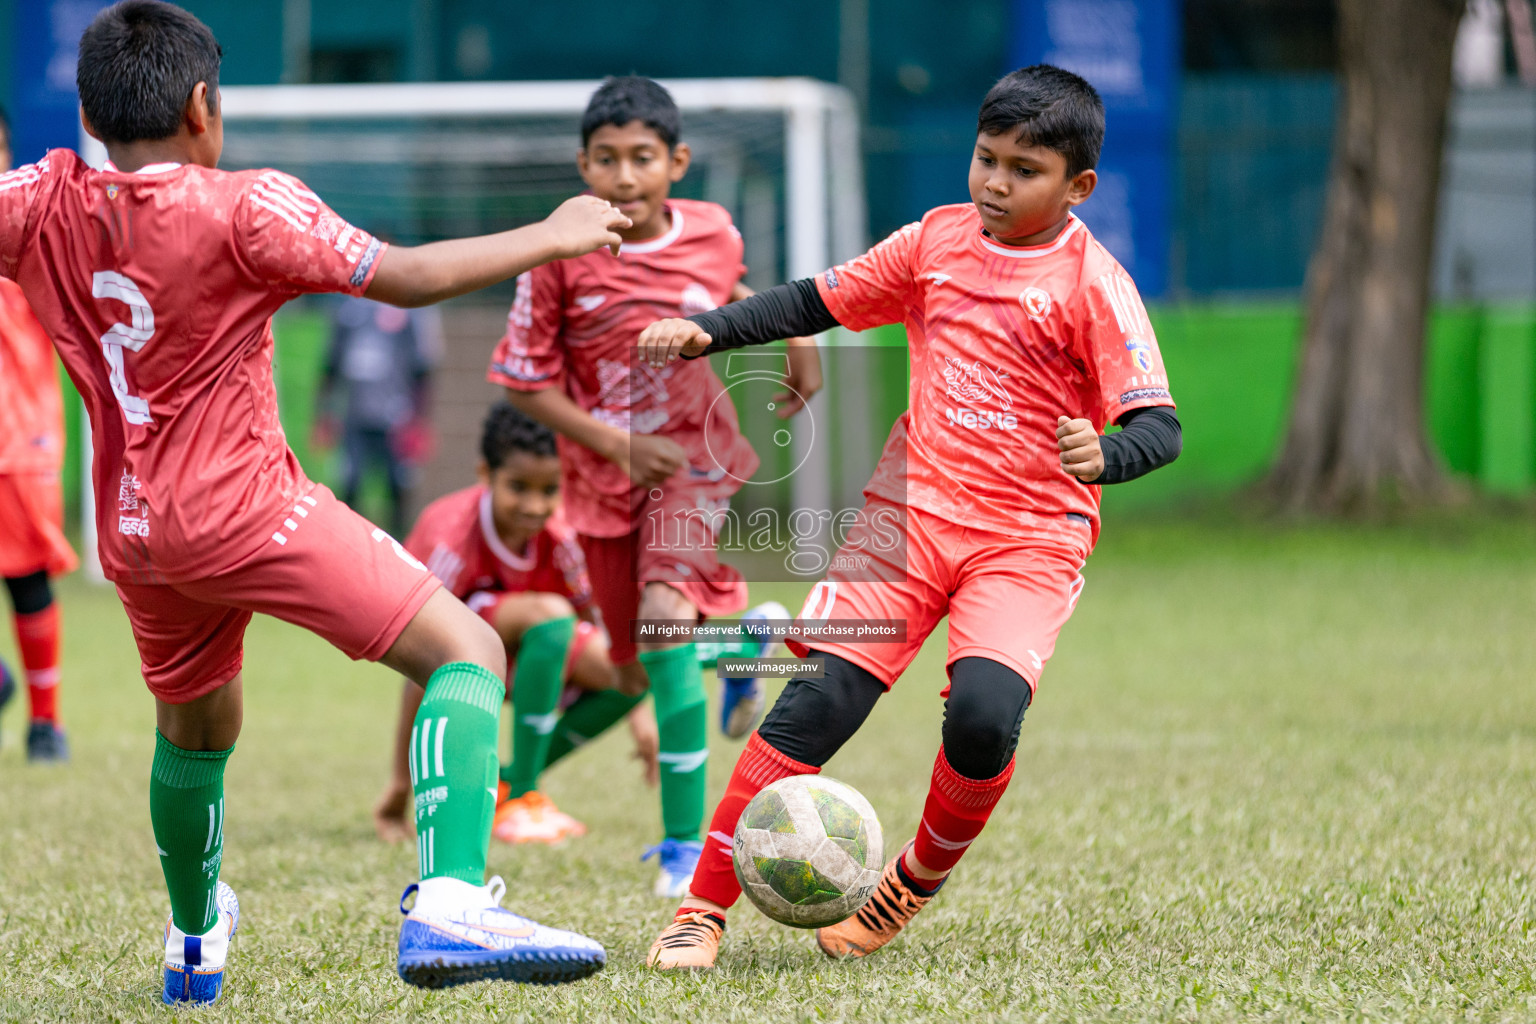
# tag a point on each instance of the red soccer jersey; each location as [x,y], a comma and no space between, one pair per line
[1004,339]
[456,538]
[158,289]
[574,325]
[31,407]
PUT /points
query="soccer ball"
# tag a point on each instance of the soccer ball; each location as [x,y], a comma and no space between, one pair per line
[807,851]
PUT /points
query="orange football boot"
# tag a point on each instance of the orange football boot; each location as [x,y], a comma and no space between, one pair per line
[889,909]
[534,818]
[690,943]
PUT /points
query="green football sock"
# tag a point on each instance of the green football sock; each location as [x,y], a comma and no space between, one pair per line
[740,646]
[453,768]
[682,721]
[186,810]
[536,683]
[592,714]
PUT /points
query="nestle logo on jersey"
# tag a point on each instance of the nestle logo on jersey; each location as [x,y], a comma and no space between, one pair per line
[129,527]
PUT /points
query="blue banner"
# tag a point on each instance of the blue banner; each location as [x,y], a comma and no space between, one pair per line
[44,47]
[1129,51]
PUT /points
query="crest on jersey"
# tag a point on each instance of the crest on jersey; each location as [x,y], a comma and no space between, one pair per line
[1141,352]
[696,299]
[1036,303]
[111,191]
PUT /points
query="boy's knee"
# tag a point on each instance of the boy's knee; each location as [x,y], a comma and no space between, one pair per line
[483,646]
[547,608]
[982,716]
[813,718]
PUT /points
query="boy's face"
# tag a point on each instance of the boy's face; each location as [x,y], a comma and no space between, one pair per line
[525,489]
[630,166]
[1023,191]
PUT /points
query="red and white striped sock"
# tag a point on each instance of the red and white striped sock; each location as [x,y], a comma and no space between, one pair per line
[955,813]
[37,635]
[759,766]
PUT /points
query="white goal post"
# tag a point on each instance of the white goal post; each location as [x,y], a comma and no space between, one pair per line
[822,220]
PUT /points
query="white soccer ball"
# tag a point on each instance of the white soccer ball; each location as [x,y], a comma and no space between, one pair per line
[808,851]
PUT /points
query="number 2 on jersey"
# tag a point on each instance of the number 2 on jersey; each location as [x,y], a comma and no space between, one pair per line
[109,284]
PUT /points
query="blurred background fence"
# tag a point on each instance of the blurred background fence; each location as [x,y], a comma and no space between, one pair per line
[1222,108]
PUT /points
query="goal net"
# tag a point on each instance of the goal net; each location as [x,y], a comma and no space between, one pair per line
[422,162]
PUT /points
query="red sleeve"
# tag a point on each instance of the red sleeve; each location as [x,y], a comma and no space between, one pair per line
[531,356]
[875,288]
[18,191]
[294,242]
[1118,343]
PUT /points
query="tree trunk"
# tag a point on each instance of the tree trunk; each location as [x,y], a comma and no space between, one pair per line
[1356,440]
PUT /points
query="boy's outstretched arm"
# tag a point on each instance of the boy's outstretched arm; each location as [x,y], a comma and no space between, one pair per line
[423,274]
[648,459]
[785,311]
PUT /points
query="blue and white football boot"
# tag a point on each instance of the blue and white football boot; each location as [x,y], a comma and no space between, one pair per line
[742,697]
[456,933]
[194,964]
[678,859]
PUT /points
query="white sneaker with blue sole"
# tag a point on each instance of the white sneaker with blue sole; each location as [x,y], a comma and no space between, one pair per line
[194,964]
[457,933]
[742,697]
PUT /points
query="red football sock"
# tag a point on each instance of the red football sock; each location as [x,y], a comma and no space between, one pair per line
[759,766]
[956,812]
[38,637]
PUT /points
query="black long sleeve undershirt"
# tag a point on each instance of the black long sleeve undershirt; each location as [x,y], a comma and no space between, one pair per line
[1149,438]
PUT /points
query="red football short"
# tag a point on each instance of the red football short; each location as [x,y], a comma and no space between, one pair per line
[1007,597]
[325,568]
[31,525]
[674,544]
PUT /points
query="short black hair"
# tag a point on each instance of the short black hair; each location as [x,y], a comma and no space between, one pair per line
[619,101]
[1047,106]
[139,62]
[507,431]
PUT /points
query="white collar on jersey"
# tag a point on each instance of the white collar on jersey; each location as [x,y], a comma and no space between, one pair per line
[1033,251]
[146,169]
[493,539]
[656,244]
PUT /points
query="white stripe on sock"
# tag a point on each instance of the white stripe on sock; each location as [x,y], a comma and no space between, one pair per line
[442,725]
[209,844]
[421,760]
[410,753]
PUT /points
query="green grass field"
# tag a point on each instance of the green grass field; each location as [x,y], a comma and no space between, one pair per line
[1273,774]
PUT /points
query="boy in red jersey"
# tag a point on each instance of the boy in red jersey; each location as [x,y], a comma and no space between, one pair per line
[504,548]
[642,445]
[1027,340]
[32,544]
[156,280]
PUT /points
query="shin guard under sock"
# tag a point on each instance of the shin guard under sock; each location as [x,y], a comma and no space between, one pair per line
[536,683]
[186,811]
[759,766]
[682,720]
[955,813]
[454,770]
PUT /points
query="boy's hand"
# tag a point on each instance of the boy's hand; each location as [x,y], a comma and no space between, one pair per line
[803,380]
[650,460]
[665,340]
[583,224]
[642,729]
[1079,445]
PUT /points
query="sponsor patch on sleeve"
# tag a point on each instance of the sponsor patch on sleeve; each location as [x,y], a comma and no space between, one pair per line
[831,277]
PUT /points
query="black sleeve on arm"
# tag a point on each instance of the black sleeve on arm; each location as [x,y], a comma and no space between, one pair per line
[1149,439]
[785,311]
